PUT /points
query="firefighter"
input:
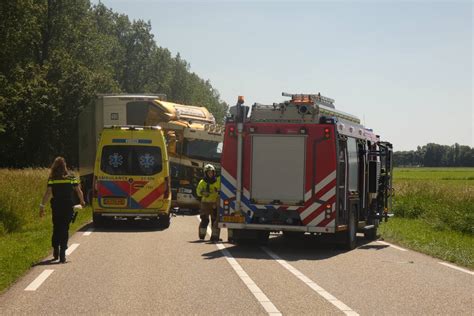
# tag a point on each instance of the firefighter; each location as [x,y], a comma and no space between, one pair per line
[208,190]
[61,186]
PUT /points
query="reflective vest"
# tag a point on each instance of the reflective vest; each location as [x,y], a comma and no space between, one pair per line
[63,188]
[211,188]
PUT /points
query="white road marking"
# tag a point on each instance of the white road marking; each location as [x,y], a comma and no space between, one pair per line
[39,280]
[88,232]
[254,289]
[315,287]
[388,244]
[457,268]
[71,248]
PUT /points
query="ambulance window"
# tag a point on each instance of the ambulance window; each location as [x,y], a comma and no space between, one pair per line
[353,164]
[131,160]
[146,160]
[115,160]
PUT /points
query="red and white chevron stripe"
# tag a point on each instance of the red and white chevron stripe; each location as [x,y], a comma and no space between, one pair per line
[314,211]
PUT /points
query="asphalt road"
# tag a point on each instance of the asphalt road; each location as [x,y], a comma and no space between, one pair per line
[138,269]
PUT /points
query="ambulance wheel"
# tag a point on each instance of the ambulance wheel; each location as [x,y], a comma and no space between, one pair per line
[351,233]
[98,220]
[164,221]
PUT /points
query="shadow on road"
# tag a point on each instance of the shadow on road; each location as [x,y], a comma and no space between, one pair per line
[125,226]
[305,247]
[46,262]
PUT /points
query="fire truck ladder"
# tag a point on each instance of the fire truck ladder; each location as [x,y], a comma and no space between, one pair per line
[313,97]
[385,188]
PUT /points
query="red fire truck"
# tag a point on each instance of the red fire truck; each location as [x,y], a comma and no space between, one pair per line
[301,166]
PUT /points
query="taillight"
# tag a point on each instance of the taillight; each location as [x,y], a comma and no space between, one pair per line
[226,207]
[327,132]
[167,188]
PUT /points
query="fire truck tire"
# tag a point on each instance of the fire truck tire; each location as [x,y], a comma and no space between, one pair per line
[263,236]
[351,233]
[292,235]
[370,234]
[230,235]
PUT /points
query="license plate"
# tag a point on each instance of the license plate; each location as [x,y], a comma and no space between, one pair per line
[114,201]
[233,219]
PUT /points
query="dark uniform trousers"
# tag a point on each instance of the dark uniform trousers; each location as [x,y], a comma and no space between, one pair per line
[62,215]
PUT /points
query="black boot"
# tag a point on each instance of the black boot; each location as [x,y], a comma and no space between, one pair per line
[55,253]
[62,255]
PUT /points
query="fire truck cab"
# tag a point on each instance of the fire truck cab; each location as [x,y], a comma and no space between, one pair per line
[301,166]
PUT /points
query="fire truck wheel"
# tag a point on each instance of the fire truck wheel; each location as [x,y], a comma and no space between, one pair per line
[351,233]
[370,234]
[263,236]
[230,235]
[292,235]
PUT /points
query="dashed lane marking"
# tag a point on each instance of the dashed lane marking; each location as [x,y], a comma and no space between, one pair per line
[393,246]
[88,232]
[452,266]
[254,289]
[39,280]
[315,287]
[71,248]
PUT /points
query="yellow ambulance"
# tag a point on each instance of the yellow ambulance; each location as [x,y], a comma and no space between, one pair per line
[131,175]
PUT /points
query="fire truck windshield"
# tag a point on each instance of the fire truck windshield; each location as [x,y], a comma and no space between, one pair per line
[202,149]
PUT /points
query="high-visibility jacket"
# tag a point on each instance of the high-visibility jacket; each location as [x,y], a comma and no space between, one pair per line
[211,188]
[63,190]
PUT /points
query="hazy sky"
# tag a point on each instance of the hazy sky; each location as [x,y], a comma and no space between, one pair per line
[403,67]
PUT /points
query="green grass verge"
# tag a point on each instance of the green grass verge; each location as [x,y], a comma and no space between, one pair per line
[19,251]
[418,235]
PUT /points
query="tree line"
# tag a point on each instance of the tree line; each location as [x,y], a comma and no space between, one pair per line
[56,55]
[435,155]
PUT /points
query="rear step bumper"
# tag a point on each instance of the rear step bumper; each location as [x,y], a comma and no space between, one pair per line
[132,214]
[309,229]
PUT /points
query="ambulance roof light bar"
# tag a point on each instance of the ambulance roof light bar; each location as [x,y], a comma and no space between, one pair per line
[313,97]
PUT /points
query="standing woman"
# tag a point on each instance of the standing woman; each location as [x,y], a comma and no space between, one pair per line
[61,185]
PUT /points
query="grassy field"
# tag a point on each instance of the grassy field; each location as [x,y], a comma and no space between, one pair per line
[25,238]
[434,209]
